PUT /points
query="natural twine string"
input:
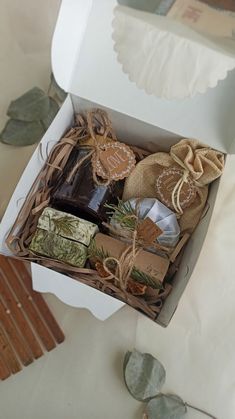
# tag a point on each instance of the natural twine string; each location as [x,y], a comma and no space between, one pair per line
[175,196]
[124,265]
[93,118]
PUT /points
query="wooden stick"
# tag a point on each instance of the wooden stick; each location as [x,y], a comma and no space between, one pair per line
[4,370]
[19,317]
[8,354]
[39,301]
[179,247]
[14,336]
[28,305]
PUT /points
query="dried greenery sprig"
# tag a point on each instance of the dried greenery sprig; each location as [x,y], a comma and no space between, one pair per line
[143,278]
[66,225]
[123,214]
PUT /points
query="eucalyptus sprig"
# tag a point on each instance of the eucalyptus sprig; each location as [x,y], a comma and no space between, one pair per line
[145,376]
[31,114]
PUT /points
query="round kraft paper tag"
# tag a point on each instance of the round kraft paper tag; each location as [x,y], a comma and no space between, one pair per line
[166,183]
[115,161]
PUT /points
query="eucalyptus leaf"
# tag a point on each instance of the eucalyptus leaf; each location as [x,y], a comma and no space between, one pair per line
[53,109]
[166,407]
[144,375]
[32,106]
[126,359]
[21,133]
[56,91]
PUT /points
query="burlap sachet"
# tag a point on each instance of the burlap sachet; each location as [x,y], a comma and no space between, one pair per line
[196,167]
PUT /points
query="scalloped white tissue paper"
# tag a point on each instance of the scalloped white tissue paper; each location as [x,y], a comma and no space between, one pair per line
[166,58]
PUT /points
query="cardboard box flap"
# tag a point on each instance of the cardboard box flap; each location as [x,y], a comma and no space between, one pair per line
[97,76]
[68,36]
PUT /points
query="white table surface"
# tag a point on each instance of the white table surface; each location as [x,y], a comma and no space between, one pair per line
[82,378]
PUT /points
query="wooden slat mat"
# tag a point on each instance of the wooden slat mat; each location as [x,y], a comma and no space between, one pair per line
[27,326]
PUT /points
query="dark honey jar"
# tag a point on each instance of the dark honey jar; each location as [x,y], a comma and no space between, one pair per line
[80,195]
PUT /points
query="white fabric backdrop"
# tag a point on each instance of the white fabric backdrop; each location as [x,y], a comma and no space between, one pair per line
[83,377]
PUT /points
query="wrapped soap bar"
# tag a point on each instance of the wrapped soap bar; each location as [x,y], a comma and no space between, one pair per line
[63,237]
[67,225]
[49,244]
[153,265]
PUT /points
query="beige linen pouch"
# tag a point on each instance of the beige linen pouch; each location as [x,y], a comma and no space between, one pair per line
[202,164]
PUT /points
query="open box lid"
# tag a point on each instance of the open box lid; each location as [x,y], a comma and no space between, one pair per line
[85,64]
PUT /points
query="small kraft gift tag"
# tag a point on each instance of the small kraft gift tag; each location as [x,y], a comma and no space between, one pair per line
[148,231]
[114,161]
[172,185]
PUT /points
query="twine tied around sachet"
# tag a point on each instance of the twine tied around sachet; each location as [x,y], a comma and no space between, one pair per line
[177,190]
[200,166]
[97,126]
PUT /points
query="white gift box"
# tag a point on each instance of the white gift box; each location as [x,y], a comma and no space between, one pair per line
[85,64]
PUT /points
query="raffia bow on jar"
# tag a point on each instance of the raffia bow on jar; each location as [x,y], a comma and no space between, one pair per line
[111,159]
[179,179]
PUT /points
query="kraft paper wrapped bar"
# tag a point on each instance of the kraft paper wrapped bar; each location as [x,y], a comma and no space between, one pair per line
[152,264]
[63,237]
